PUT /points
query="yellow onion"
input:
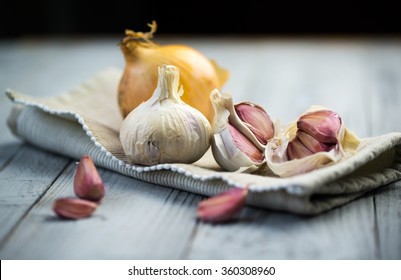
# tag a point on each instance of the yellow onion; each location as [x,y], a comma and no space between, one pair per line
[198,75]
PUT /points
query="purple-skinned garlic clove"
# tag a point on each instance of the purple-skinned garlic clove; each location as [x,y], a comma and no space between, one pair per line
[74,208]
[87,182]
[222,207]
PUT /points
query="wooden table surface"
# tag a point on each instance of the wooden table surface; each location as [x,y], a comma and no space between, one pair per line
[360,79]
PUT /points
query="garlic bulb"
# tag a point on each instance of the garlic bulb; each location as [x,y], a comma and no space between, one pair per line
[318,138]
[240,133]
[199,75]
[164,129]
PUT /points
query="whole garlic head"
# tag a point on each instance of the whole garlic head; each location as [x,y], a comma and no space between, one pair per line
[164,129]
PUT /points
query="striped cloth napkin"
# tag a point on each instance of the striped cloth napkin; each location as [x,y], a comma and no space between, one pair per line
[86,120]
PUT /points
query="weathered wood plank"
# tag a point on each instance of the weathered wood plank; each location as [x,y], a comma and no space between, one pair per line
[136,220]
[384,107]
[384,99]
[387,202]
[343,233]
[22,182]
[48,67]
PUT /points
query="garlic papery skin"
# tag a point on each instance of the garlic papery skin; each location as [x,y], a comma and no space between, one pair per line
[316,139]
[198,74]
[234,145]
[164,129]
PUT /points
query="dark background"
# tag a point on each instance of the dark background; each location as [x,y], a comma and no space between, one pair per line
[66,17]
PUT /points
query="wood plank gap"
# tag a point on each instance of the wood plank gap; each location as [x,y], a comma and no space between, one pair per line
[4,241]
[376,235]
[188,246]
[166,200]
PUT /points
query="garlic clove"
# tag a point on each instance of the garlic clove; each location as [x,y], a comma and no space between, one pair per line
[246,146]
[256,119]
[297,150]
[87,182]
[234,146]
[228,155]
[312,143]
[74,208]
[322,125]
[222,207]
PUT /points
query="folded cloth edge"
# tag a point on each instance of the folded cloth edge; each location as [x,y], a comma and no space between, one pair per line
[289,196]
